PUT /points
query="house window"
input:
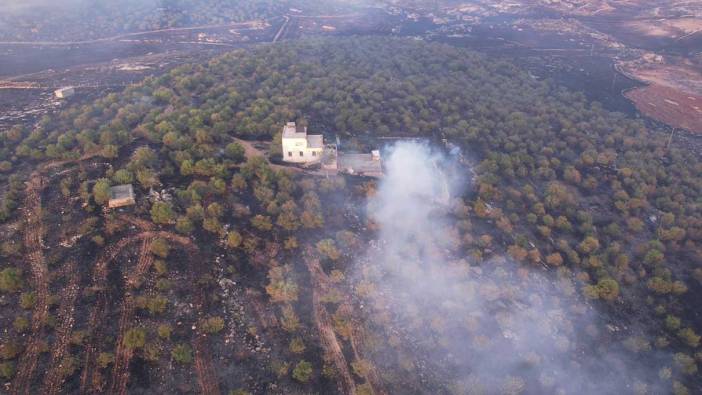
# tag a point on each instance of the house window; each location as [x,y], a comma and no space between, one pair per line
[314,153]
[302,153]
[290,154]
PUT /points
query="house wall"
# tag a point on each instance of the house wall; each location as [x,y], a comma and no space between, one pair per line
[295,150]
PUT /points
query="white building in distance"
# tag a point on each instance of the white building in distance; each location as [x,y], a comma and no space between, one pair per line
[65,92]
[300,147]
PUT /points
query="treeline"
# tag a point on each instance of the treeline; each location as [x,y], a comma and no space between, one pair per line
[84,20]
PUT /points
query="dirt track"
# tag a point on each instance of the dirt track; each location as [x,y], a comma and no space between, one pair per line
[120,371]
[327,337]
[66,319]
[203,364]
[33,244]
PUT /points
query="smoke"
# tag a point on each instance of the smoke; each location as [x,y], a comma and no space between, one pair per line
[488,326]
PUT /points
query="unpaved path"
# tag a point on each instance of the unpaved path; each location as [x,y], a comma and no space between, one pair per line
[327,337]
[203,363]
[66,320]
[33,244]
[120,371]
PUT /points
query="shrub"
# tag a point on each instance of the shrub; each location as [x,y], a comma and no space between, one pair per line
[21,324]
[27,300]
[135,338]
[162,213]
[101,191]
[297,346]
[234,239]
[7,370]
[182,353]
[160,247]
[184,226]
[327,247]
[105,359]
[10,280]
[262,223]
[303,371]
[235,152]
[156,304]
[9,350]
[213,325]
[164,331]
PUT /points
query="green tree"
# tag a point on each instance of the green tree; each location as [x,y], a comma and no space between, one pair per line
[182,353]
[135,338]
[262,223]
[327,247]
[302,371]
[162,213]
[7,370]
[235,152]
[234,239]
[160,247]
[10,280]
[101,191]
[212,325]
[123,176]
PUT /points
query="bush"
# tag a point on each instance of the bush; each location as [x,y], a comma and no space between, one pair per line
[327,247]
[182,353]
[9,350]
[10,280]
[184,226]
[160,248]
[303,371]
[164,331]
[123,176]
[213,325]
[156,304]
[235,152]
[234,239]
[21,324]
[297,346]
[101,191]
[262,223]
[162,213]
[27,300]
[7,370]
[105,359]
[135,338]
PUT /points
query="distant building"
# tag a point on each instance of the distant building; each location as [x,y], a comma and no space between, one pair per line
[300,147]
[65,92]
[121,195]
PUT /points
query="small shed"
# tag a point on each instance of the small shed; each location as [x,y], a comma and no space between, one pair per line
[121,195]
[64,93]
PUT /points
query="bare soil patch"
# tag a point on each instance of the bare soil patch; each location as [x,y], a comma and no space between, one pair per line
[676,108]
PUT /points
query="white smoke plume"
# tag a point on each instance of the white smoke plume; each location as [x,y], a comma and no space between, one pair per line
[489,327]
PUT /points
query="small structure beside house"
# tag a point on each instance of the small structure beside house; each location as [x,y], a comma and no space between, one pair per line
[368,165]
[300,147]
[64,93]
[121,195]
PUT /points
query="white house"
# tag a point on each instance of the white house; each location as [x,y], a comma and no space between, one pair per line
[300,147]
[65,92]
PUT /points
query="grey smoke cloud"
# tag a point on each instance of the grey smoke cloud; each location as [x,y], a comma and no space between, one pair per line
[494,326]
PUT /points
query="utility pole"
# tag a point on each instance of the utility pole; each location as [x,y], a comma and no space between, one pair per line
[670,139]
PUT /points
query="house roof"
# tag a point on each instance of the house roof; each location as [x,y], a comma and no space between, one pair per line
[293,131]
[315,141]
[122,192]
